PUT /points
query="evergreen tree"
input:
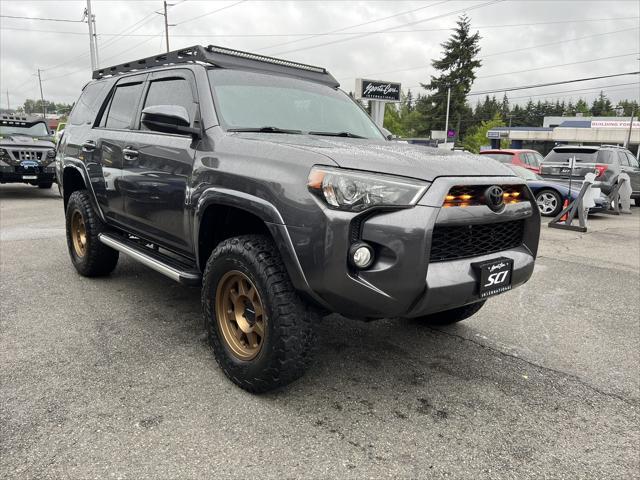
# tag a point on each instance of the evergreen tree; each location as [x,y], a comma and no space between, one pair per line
[409,101]
[456,70]
[582,107]
[602,107]
[504,108]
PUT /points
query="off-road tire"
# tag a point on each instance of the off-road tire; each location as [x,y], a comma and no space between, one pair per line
[45,185]
[289,339]
[452,316]
[98,259]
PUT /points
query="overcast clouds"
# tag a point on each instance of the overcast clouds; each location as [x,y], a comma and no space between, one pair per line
[400,56]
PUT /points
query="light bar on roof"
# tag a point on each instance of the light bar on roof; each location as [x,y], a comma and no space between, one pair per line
[262,58]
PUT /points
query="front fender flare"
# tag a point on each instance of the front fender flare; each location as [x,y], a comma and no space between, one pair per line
[270,215]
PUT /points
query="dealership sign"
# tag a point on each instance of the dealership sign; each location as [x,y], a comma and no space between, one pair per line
[613,124]
[377,90]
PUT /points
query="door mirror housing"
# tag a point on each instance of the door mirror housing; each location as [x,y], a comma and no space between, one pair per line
[168,119]
[387,134]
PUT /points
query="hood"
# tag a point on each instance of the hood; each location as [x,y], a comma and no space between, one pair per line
[17,140]
[424,163]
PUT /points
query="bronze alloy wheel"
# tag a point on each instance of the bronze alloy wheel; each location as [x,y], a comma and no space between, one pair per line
[240,315]
[78,234]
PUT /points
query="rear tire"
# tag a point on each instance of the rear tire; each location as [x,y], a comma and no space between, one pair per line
[637,200]
[89,256]
[454,315]
[549,202]
[261,332]
[45,185]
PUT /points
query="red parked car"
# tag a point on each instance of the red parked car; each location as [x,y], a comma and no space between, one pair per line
[529,159]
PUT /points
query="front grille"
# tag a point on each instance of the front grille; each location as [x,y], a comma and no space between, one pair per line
[464,241]
[21,155]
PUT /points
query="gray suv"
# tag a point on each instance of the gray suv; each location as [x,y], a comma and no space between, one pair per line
[260,180]
[606,161]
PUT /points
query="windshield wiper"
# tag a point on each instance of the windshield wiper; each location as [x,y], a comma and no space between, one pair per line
[337,134]
[263,130]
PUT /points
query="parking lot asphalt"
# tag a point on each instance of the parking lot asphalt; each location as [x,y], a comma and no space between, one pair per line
[113,378]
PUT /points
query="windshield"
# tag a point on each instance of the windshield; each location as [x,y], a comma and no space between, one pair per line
[524,173]
[501,157]
[35,130]
[249,100]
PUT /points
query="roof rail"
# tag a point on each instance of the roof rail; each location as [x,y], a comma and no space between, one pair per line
[224,58]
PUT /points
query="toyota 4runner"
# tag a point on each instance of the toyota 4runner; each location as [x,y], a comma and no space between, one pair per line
[260,180]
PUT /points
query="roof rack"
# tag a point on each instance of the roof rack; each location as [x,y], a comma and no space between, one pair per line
[224,58]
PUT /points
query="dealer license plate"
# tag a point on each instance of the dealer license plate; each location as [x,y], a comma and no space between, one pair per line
[565,170]
[29,177]
[494,276]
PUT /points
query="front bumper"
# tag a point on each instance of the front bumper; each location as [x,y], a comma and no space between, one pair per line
[403,281]
[12,174]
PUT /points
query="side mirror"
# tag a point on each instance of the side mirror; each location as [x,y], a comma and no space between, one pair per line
[168,119]
[387,134]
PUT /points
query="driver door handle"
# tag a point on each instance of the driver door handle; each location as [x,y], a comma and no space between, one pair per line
[88,146]
[129,153]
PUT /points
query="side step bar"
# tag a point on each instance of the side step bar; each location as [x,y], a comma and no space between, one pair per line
[156,261]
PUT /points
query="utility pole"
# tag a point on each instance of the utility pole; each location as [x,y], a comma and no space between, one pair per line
[44,107]
[446,125]
[95,40]
[166,21]
[628,139]
[92,50]
[166,25]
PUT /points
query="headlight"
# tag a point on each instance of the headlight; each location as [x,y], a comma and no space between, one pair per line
[51,154]
[355,191]
[3,152]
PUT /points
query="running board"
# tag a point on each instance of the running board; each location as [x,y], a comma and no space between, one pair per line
[154,260]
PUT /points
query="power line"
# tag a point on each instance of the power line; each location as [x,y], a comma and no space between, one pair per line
[349,27]
[42,18]
[461,10]
[503,52]
[558,65]
[211,12]
[267,35]
[585,90]
[561,41]
[549,84]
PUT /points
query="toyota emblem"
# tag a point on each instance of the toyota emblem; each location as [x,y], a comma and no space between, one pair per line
[494,197]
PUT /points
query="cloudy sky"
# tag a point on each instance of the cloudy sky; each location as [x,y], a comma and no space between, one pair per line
[523,42]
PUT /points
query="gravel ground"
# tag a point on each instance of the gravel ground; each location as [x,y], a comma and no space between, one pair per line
[112,378]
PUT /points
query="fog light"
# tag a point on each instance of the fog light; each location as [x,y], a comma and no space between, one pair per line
[361,255]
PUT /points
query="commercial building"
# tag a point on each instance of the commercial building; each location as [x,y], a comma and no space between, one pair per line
[570,130]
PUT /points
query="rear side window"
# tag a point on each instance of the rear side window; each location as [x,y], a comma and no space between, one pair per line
[633,161]
[172,91]
[122,107]
[88,104]
[535,158]
[607,156]
[624,161]
[501,157]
